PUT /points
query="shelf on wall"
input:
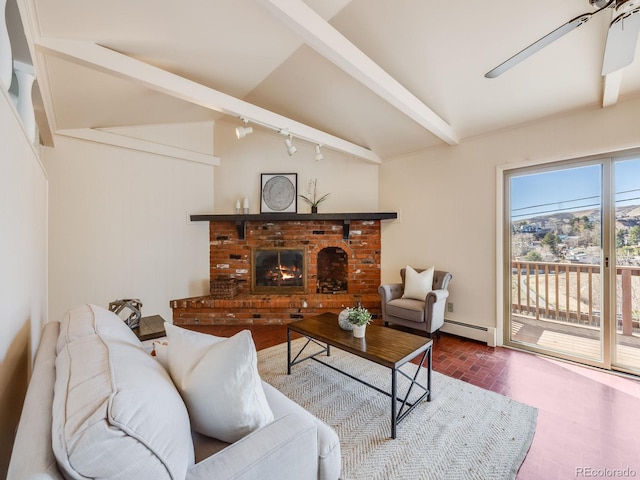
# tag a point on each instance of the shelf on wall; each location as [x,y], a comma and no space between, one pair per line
[241,219]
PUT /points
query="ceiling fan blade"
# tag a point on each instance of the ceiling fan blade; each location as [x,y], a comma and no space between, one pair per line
[540,44]
[621,42]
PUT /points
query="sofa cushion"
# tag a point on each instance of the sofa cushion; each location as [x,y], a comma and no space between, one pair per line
[86,320]
[407,309]
[219,381]
[417,284]
[116,412]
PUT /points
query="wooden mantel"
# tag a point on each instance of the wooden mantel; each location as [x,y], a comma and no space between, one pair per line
[241,219]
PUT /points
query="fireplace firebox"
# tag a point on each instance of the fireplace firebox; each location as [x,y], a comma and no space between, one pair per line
[332,270]
[278,271]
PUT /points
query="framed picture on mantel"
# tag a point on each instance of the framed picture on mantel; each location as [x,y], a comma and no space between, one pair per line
[279,193]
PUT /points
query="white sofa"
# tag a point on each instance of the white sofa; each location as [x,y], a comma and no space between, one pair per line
[134,424]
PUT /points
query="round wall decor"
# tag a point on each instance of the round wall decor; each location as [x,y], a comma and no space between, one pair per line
[279,192]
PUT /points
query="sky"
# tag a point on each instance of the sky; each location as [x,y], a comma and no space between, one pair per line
[570,189]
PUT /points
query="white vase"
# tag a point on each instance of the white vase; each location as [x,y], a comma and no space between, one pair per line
[343,320]
[358,331]
[6,60]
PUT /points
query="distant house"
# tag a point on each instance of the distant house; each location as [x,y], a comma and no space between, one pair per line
[529,228]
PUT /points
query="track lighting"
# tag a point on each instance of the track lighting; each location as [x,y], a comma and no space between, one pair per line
[291,149]
[242,132]
[245,130]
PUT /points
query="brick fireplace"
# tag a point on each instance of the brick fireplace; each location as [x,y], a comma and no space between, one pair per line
[284,267]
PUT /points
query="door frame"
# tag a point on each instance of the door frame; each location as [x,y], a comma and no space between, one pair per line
[503,253]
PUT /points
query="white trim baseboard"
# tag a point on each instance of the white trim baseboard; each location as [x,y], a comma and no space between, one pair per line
[474,332]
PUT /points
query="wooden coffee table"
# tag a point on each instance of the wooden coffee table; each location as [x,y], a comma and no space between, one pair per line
[382,345]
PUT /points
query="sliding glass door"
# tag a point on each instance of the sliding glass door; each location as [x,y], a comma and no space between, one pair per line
[556,261]
[626,351]
[572,261]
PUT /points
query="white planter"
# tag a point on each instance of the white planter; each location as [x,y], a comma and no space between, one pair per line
[358,331]
[6,60]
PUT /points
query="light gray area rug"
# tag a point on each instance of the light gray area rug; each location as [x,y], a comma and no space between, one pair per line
[465,432]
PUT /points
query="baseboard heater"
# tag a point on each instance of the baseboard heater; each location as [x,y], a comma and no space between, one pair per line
[474,332]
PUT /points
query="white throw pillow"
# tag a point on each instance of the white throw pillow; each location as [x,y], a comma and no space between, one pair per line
[161,352]
[417,285]
[219,382]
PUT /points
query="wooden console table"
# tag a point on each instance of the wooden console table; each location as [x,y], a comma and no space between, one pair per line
[150,327]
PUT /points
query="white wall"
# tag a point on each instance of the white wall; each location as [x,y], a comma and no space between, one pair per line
[118,226]
[23,267]
[447,197]
[352,183]
[118,217]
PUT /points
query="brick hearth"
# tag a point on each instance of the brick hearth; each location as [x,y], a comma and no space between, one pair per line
[230,257]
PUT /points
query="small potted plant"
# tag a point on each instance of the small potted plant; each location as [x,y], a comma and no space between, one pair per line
[359,317]
[312,195]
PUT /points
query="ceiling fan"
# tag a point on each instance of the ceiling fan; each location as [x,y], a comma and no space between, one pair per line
[621,39]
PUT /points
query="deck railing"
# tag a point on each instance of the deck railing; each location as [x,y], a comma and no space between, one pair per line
[570,292]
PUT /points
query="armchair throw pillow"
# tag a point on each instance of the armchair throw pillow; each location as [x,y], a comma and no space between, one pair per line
[219,382]
[417,285]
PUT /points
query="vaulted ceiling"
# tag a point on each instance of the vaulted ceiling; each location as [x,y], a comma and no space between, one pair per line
[374,78]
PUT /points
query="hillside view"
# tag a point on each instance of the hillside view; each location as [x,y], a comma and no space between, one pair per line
[575,237]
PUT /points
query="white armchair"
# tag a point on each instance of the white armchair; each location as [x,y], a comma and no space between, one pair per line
[427,314]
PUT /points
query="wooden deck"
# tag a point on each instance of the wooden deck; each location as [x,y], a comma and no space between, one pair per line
[579,340]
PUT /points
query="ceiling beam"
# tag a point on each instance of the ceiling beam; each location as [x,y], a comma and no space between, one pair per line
[109,138]
[328,42]
[109,61]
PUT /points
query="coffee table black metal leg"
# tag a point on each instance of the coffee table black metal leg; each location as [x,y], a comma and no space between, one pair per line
[429,373]
[288,352]
[394,419]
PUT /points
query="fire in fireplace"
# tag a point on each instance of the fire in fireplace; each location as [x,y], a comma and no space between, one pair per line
[278,270]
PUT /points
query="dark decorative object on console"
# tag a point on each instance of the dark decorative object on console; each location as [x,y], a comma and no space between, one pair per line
[133,304]
[224,286]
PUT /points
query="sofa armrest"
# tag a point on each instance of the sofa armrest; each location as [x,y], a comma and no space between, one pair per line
[284,449]
[32,456]
[434,308]
[436,296]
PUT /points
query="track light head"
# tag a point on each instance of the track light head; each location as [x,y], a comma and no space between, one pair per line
[242,132]
[319,155]
[291,149]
